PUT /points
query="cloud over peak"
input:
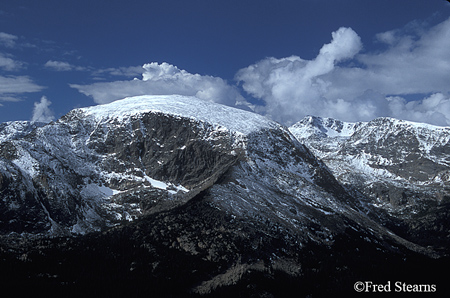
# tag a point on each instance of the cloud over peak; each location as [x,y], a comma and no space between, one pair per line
[164,79]
[415,62]
[291,86]
[342,81]
[41,111]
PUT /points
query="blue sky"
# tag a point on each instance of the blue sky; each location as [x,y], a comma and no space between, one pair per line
[349,59]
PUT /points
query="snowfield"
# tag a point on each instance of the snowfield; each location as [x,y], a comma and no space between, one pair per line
[232,119]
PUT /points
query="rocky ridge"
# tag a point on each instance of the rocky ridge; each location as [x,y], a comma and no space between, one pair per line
[402,169]
[172,190]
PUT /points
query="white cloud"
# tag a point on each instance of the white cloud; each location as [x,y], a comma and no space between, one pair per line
[41,111]
[11,98]
[164,79]
[6,62]
[130,71]
[292,87]
[9,64]
[416,60]
[434,109]
[340,82]
[12,87]
[63,66]
[58,65]
[8,40]
[17,84]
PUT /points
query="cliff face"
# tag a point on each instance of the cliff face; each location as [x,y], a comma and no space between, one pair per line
[73,175]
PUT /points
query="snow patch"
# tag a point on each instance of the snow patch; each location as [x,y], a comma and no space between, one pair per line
[97,191]
[26,163]
[171,188]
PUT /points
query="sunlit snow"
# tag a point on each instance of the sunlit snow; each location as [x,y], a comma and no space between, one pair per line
[233,119]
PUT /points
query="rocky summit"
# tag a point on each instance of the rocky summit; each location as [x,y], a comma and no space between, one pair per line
[173,196]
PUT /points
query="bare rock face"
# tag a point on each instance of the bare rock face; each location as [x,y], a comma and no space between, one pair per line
[181,197]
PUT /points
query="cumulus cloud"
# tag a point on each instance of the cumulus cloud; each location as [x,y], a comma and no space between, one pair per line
[369,85]
[416,60]
[342,81]
[164,79]
[41,111]
[292,86]
[434,109]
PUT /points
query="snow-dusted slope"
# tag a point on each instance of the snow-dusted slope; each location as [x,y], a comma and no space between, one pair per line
[402,167]
[385,147]
[98,166]
[76,174]
[17,129]
[312,126]
[323,135]
[213,199]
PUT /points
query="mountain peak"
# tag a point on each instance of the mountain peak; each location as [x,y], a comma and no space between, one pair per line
[233,119]
[323,127]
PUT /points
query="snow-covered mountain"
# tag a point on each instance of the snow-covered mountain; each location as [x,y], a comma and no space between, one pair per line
[72,175]
[98,166]
[402,167]
[179,190]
